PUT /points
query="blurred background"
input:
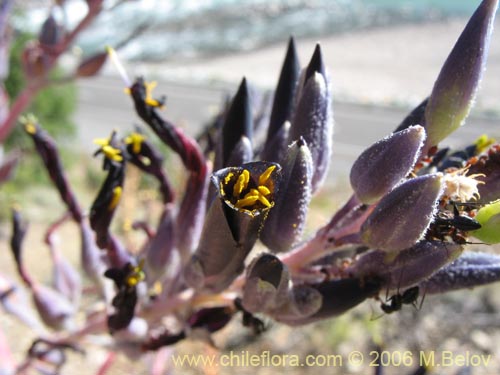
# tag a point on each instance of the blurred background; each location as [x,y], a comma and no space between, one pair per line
[383,56]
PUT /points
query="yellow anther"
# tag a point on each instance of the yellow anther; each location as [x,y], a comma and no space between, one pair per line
[112,153]
[264,177]
[264,201]
[264,190]
[242,183]
[101,141]
[228,178]
[135,139]
[117,193]
[247,201]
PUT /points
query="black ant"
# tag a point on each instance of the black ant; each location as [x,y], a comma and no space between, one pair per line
[453,226]
[250,320]
[396,302]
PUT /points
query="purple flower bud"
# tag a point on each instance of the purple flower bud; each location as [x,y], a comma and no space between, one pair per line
[266,285]
[238,123]
[383,165]
[285,223]
[455,88]
[282,109]
[313,118]
[409,267]
[47,150]
[51,32]
[92,65]
[402,217]
[468,271]
[233,223]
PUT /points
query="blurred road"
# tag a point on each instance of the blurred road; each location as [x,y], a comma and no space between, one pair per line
[104,106]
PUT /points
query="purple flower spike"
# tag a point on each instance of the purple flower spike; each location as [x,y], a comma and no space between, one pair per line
[266,285]
[233,223]
[402,217]
[384,164]
[238,125]
[282,109]
[409,267]
[468,271]
[285,223]
[313,119]
[455,88]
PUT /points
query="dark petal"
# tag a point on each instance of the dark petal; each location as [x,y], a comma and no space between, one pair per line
[468,271]
[104,206]
[384,164]
[124,303]
[456,86]
[212,319]
[402,217]
[415,117]
[283,99]
[238,122]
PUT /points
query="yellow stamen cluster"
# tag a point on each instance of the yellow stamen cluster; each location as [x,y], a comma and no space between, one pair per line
[110,152]
[135,139]
[247,194]
[136,275]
